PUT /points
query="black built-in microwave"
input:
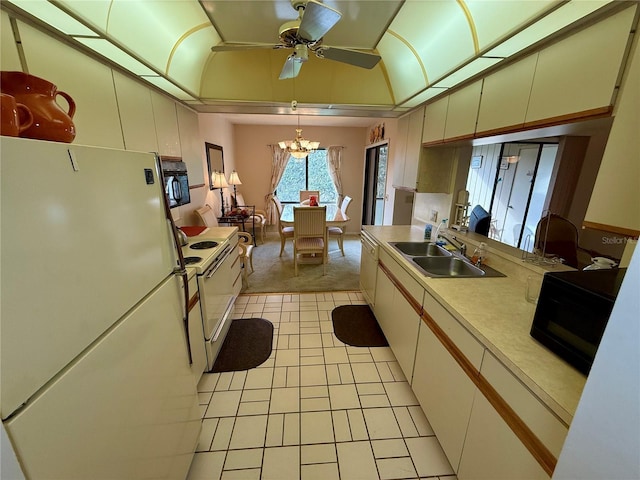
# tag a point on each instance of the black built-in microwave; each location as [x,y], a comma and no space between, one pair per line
[176,182]
[573,311]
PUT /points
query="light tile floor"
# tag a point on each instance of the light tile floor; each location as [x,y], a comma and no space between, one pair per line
[316,409]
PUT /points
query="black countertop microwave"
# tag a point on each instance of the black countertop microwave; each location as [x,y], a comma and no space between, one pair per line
[573,311]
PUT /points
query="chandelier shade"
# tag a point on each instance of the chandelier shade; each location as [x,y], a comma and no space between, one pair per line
[298,147]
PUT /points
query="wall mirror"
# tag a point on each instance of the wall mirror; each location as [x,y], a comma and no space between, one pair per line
[215,161]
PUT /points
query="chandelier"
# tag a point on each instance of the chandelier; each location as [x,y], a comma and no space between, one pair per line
[298,147]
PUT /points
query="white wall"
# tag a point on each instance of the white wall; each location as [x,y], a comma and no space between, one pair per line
[216,129]
[253,160]
[604,438]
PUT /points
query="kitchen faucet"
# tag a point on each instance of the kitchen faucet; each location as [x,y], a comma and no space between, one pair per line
[458,244]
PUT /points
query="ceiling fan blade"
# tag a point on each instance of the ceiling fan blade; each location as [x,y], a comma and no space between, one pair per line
[291,68]
[317,20]
[234,47]
[352,57]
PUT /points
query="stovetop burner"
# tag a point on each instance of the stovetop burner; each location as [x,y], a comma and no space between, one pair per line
[192,260]
[204,245]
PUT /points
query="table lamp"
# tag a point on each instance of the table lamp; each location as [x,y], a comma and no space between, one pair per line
[234,180]
[220,181]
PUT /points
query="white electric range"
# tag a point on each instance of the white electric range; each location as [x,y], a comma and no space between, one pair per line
[213,255]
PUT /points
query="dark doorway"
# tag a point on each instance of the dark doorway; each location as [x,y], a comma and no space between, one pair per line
[375,179]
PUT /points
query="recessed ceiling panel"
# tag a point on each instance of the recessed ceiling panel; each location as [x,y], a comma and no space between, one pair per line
[423,97]
[361,26]
[94,12]
[469,70]
[496,19]
[548,25]
[190,57]
[440,33]
[153,28]
[53,16]
[404,69]
[245,75]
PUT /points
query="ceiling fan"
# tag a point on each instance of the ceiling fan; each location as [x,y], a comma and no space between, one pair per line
[305,33]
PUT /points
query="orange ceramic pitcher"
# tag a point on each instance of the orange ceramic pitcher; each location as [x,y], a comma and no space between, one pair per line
[50,121]
[15,117]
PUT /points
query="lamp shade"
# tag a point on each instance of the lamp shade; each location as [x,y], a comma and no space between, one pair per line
[219,180]
[234,179]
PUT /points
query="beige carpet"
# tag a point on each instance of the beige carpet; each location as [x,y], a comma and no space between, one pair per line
[274,274]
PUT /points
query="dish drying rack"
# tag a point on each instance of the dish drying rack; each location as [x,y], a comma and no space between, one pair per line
[537,257]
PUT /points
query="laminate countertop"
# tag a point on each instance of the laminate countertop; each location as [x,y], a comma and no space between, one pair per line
[495,311]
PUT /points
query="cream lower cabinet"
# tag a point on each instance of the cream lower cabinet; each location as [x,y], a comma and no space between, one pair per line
[441,385]
[397,317]
[445,393]
[492,451]
[453,375]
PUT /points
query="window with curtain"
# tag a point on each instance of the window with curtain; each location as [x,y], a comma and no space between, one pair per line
[311,173]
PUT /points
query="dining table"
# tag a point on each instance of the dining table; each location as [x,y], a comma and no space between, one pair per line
[335,216]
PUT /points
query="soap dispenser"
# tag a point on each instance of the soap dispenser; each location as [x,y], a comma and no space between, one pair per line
[479,254]
[443,226]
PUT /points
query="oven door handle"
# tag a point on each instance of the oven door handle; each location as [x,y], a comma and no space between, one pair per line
[211,271]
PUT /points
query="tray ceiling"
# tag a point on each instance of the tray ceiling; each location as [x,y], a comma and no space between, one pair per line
[427,47]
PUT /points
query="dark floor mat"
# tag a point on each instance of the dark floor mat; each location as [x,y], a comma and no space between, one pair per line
[247,345]
[355,325]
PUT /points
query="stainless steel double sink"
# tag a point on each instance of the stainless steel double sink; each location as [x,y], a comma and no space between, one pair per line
[435,261]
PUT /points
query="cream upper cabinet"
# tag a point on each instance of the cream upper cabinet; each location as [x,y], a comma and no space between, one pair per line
[191,144]
[136,114]
[591,59]
[436,168]
[620,170]
[166,121]
[462,112]
[407,155]
[88,82]
[414,145]
[505,96]
[399,151]
[435,118]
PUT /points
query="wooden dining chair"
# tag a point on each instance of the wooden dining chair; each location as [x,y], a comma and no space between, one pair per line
[284,232]
[309,234]
[338,231]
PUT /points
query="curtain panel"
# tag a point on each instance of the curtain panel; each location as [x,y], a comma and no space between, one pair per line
[279,160]
[334,162]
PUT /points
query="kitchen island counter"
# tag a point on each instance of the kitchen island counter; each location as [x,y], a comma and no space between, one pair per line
[495,312]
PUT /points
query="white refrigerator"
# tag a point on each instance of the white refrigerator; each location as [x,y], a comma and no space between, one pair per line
[95,380]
